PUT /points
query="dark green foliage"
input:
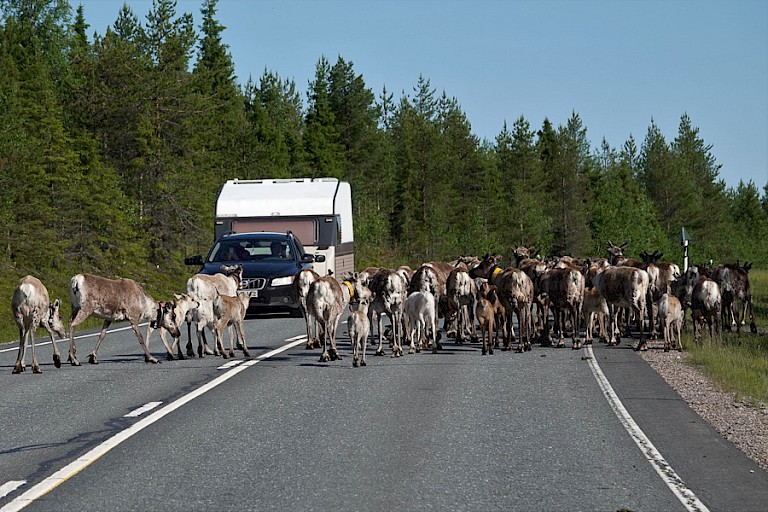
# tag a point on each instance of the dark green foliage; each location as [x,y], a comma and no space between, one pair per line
[113,151]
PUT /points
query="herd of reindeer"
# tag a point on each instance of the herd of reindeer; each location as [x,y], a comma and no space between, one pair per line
[548,297]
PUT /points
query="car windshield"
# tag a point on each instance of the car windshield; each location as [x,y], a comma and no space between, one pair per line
[251,249]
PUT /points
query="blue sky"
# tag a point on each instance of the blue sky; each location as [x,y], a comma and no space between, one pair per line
[617,64]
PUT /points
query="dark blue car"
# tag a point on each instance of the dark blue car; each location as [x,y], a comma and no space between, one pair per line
[270,261]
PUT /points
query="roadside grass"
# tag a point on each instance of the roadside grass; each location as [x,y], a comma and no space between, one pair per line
[738,363]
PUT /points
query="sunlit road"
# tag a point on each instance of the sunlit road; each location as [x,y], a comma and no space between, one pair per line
[449,431]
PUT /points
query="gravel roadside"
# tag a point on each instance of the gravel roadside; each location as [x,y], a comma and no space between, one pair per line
[745,425]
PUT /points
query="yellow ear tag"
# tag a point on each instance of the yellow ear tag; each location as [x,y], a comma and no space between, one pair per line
[351,288]
[496,272]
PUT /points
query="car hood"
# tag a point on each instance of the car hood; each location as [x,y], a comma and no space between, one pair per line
[258,269]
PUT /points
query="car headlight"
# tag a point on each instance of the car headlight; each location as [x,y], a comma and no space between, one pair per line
[282,281]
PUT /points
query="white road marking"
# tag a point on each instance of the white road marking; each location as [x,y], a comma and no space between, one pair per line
[229,365]
[71,469]
[662,467]
[39,343]
[141,410]
[9,487]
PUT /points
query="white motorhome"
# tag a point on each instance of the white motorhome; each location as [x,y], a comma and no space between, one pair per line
[318,211]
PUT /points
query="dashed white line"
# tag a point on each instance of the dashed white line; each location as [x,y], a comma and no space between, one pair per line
[9,487]
[71,469]
[662,467]
[229,365]
[141,410]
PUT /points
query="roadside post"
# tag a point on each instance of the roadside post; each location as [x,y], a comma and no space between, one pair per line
[684,239]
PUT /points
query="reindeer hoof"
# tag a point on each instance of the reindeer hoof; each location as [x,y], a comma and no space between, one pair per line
[57,360]
[753,328]
[151,360]
[170,357]
[354,363]
[324,358]
[18,369]
[36,369]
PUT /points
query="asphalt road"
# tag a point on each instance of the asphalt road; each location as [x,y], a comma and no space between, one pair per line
[449,431]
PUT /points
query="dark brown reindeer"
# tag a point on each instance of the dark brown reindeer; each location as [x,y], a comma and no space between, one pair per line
[736,296]
[515,289]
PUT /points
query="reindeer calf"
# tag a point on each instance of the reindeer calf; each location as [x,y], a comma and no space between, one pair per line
[671,316]
[359,326]
[230,311]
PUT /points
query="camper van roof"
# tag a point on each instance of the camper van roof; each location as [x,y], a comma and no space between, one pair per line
[264,198]
[287,198]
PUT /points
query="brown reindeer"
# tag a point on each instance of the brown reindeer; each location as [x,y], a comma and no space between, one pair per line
[113,301]
[325,302]
[624,287]
[515,289]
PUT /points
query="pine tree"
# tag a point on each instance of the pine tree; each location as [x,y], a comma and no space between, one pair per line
[321,136]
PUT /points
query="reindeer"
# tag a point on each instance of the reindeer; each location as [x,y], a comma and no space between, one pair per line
[359,326]
[421,320]
[182,305]
[671,316]
[515,290]
[325,302]
[204,288]
[230,311]
[301,283]
[734,287]
[32,309]
[625,287]
[702,296]
[461,291]
[113,301]
[487,310]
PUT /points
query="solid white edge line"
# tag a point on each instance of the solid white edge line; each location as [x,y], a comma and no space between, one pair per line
[10,486]
[39,343]
[141,410]
[74,467]
[662,467]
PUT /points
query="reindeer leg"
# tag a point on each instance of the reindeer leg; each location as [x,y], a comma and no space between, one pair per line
[148,358]
[92,356]
[190,351]
[20,365]
[35,367]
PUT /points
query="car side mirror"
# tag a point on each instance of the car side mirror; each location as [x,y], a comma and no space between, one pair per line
[193,260]
[308,258]
[320,258]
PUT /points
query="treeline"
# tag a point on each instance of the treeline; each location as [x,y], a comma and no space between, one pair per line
[113,148]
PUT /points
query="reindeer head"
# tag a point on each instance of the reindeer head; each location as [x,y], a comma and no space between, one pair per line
[615,252]
[166,318]
[54,318]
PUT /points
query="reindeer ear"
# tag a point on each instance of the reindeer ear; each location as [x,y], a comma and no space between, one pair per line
[57,303]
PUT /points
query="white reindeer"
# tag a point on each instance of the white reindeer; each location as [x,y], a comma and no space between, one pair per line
[32,308]
[204,289]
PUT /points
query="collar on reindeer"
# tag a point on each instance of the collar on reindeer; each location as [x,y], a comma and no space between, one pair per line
[350,287]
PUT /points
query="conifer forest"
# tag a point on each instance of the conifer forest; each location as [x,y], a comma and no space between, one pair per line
[114,146]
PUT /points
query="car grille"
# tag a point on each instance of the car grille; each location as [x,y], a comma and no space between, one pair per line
[253,283]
